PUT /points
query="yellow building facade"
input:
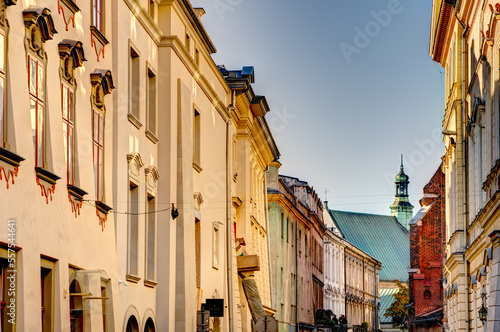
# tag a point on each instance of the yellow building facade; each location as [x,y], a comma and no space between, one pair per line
[464,40]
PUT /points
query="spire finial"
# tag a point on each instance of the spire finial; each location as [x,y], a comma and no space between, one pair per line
[401,161]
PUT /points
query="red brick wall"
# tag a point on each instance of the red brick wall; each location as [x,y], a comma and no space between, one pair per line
[426,248]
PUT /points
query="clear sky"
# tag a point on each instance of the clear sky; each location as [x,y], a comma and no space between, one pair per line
[350,85]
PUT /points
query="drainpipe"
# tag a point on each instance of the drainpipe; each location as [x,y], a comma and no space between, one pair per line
[228,219]
[461,124]
[296,278]
[464,173]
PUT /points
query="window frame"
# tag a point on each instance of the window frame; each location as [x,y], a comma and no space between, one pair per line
[99,146]
[69,130]
[38,98]
[151,103]
[134,75]
[97,17]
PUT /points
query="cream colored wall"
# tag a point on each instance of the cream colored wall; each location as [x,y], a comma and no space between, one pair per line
[130,32]
[51,228]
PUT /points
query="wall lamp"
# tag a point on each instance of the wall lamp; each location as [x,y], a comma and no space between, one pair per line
[483,311]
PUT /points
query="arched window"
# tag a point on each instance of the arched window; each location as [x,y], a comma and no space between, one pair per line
[150,326]
[427,294]
[132,325]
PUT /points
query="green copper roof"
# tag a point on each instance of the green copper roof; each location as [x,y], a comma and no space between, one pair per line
[382,237]
[386,299]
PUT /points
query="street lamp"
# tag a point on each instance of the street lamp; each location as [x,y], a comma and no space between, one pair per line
[483,312]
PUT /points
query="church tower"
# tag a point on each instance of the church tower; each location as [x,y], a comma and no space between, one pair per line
[401,208]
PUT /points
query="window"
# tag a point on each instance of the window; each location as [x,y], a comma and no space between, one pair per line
[287,228]
[188,43]
[151,93]
[197,139]
[36,89]
[197,243]
[68,113]
[2,90]
[150,326]
[300,241]
[427,295]
[216,245]
[132,325]
[97,14]
[134,80]
[98,154]
[133,230]
[282,225]
[151,8]
[293,239]
[47,291]
[151,239]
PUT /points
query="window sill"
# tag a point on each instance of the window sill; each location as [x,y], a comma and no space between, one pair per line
[71,5]
[102,207]
[46,176]
[152,137]
[76,192]
[197,167]
[98,35]
[134,120]
[133,278]
[150,283]
[10,157]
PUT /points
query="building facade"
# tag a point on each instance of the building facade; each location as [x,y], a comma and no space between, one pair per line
[252,151]
[464,40]
[120,171]
[427,241]
[361,288]
[386,240]
[334,289]
[295,218]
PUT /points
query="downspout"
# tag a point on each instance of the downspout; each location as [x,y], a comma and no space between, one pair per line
[296,278]
[464,172]
[228,219]
[462,125]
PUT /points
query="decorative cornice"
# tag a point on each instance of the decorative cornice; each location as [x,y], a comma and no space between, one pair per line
[76,192]
[73,48]
[96,37]
[47,176]
[102,77]
[41,17]
[10,157]
[67,8]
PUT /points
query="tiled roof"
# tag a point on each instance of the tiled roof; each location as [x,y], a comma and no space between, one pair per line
[382,237]
[386,299]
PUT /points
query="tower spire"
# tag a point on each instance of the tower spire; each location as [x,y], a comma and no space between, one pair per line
[402,208]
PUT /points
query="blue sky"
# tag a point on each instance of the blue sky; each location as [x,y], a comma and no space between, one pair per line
[344,104]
